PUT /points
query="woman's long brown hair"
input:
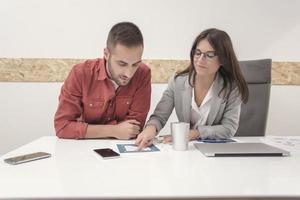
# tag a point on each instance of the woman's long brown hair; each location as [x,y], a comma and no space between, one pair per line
[229,69]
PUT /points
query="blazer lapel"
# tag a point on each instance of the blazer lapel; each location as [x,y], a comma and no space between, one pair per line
[216,100]
[186,101]
[185,94]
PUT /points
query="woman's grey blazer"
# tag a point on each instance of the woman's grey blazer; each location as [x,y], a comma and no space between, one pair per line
[222,121]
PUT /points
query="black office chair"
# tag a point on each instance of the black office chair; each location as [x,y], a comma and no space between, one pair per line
[254,113]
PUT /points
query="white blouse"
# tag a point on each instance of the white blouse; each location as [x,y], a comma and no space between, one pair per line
[199,114]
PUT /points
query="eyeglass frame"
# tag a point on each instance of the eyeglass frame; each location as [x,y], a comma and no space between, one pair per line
[206,55]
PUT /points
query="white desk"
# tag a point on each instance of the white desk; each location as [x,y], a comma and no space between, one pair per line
[75,171]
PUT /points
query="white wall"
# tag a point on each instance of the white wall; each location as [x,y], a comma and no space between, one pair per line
[78,29]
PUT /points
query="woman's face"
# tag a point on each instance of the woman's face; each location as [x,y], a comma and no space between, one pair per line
[206,61]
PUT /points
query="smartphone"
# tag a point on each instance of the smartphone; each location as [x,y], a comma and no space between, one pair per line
[107,153]
[26,158]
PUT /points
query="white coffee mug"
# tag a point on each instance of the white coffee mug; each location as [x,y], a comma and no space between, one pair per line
[180,135]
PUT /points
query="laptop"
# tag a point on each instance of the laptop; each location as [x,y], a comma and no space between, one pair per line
[239,149]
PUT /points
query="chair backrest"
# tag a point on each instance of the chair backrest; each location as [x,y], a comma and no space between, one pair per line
[254,113]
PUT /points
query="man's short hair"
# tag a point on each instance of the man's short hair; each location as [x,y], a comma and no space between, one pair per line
[124,33]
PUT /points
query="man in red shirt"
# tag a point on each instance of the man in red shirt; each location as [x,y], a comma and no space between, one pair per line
[107,97]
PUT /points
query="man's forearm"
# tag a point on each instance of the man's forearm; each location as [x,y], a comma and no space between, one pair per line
[100,131]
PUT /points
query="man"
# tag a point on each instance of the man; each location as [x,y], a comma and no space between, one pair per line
[107,97]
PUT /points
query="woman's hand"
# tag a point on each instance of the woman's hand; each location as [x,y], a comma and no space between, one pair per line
[146,137]
[193,135]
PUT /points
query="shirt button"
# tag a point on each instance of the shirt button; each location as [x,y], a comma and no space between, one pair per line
[127,102]
[108,119]
[91,104]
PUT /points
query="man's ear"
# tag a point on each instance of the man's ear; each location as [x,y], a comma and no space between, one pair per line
[106,53]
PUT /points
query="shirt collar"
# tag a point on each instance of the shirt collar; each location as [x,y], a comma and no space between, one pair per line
[116,86]
[102,74]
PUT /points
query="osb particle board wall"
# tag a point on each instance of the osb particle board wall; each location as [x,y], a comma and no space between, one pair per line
[55,70]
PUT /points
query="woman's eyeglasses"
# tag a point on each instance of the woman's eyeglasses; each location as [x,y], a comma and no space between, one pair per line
[209,55]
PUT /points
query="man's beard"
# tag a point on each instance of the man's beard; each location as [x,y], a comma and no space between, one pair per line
[113,77]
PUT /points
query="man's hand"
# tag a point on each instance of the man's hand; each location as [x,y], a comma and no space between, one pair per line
[145,138]
[127,129]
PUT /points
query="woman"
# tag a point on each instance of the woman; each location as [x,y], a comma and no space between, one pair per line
[207,94]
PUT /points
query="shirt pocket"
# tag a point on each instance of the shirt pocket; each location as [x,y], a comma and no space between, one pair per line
[123,104]
[93,110]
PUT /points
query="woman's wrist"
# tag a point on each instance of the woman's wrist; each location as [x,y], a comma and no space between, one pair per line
[151,127]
